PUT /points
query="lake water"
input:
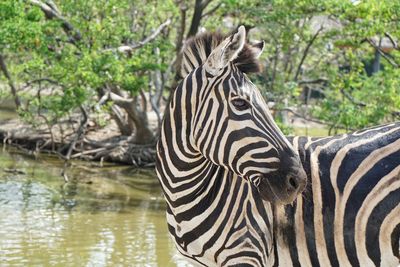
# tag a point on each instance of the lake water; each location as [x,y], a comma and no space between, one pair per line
[105,216]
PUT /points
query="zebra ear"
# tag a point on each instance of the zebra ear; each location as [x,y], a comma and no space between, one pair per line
[258,48]
[225,52]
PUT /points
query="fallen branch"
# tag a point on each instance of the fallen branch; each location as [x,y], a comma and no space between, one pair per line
[87,152]
[115,150]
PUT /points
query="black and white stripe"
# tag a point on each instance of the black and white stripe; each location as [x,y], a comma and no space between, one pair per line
[220,157]
[349,214]
[214,158]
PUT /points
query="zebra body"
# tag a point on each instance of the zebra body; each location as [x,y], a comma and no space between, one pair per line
[221,159]
[222,162]
[349,214]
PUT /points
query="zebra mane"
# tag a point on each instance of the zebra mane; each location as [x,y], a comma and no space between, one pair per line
[198,48]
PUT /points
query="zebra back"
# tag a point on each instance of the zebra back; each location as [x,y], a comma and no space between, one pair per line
[349,214]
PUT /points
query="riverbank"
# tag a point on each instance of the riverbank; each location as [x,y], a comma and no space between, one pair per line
[97,143]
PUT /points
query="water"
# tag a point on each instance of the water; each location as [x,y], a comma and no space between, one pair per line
[105,216]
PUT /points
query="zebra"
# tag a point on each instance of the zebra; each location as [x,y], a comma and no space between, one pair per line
[349,214]
[221,159]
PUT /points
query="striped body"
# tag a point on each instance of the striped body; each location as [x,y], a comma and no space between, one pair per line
[214,158]
[349,214]
[220,157]
[215,217]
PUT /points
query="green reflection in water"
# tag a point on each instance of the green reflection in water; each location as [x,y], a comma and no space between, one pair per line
[109,216]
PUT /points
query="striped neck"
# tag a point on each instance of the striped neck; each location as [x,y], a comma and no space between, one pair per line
[214,216]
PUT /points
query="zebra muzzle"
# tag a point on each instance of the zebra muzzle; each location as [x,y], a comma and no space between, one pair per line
[283,186]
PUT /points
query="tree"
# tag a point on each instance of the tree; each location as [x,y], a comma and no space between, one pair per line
[88,52]
[73,60]
[324,48]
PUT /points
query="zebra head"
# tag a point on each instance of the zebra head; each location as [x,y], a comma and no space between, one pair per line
[232,125]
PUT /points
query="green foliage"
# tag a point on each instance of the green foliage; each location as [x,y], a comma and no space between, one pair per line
[327,40]
[19,29]
[39,48]
[373,100]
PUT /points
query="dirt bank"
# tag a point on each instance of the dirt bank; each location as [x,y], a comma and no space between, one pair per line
[95,142]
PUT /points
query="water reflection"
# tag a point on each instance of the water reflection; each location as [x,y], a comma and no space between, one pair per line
[110,216]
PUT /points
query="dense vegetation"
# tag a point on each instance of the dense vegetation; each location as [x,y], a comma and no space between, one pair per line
[332,61]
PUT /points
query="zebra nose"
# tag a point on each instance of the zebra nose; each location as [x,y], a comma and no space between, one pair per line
[296,180]
[292,183]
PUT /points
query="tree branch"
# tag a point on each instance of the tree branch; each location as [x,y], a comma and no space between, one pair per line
[305,53]
[383,54]
[394,43]
[352,100]
[29,83]
[181,30]
[80,132]
[316,81]
[151,37]
[204,4]
[196,18]
[51,12]
[362,104]
[4,69]
[211,10]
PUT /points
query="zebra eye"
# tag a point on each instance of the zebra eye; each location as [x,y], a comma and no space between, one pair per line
[240,103]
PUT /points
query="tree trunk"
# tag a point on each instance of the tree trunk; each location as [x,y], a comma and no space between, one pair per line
[4,69]
[196,19]
[138,117]
[376,65]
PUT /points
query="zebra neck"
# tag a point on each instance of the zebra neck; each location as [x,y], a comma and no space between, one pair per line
[221,202]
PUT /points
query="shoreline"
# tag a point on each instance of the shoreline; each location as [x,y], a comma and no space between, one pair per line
[97,144]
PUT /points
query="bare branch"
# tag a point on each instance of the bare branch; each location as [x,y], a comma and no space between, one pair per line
[51,12]
[316,81]
[119,100]
[383,54]
[351,98]
[394,43]
[275,66]
[81,131]
[205,3]
[53,6]
[151,37]
[4,69]
[29,83]
[211,10]
[144,101]
[305,53]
